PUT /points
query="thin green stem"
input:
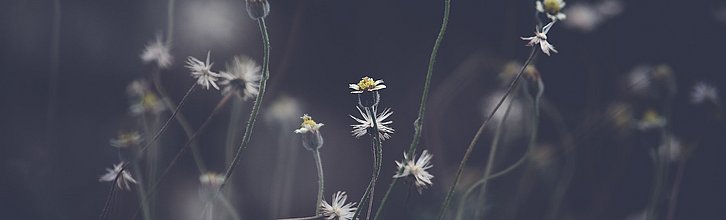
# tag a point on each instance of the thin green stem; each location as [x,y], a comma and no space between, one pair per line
[141,191]
[490,162]
[319,165]
[377,162]
[447,200]
[418,123]
[256,106]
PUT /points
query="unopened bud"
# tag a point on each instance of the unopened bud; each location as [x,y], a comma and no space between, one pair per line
[258,8]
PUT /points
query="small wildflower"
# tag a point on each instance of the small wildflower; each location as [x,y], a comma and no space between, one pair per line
[338,209]
[143,100]
[367,84]
[310,130]
[384,131]
[417,169]
[704,92]
[126,140]
[552,8]
[202,71]
[651,119]
[243,76]
[541,39]
[123,181]
[157,51]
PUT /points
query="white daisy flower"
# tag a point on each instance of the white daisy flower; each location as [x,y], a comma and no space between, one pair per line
[123,181]
[202,71]
[308,125]
[384,131]
[552,8]
[128,139]
[417,169]
[704,92]
[541,39]
[367,84]
[243,76]
[157,51]
[338,209]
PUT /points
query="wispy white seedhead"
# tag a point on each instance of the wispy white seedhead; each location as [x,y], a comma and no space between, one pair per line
[366,123]
[338,209]
[242,76]
[157,51]
[124,180]
[417,169]
[541,39]
[367,84]
[211,180]
[143,100]
[127,139]
[552,8]
[651,120]
[202,71]
[703,92]
[310,131]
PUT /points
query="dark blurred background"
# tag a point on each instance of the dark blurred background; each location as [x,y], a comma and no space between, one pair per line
[51,158]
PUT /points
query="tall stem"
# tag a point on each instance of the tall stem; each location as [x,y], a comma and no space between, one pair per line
[418,123]
[447,200]
[319,166]
[256,106]
[377,162]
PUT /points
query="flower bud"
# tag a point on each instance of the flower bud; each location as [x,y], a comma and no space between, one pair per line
[368,99]
[258,8]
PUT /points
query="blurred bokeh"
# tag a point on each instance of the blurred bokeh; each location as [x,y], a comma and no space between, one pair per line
[617,61]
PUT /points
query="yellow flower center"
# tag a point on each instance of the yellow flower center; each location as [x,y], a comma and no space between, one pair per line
[366,84]
[149,101]
[651,116]
[552,6]
[308,121]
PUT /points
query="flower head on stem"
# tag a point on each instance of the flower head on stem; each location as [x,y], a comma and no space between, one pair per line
[338,209]
[202,71]
[552,8]
[310,131]
[540,37]
[158,52]
[242,76]
[417,169]
[384,131]
[124,180]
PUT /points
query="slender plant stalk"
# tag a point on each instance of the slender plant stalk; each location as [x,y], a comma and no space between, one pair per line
[447,200]
[569,166]
[674,190]
[321,183]
[141,191]
[490,162]
[53,75]
[377,162]
[661,169]
[418,123]
[164,126]
[235,120]
[258,102]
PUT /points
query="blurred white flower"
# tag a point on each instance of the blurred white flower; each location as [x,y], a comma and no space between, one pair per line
[552,8]
[157,51]
[417,169]
[202,71]
[211,180]
[671,150]
[128,139]
[384,131]
[338,209]
[541,39]
[651,119]
[123,181]
[143,100]
[704,92]
[242,76]
[367,84]
[283,110]
[308,125]
[586,17]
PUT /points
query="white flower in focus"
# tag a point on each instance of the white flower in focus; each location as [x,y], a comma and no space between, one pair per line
[308,125]
[704,92]
[552,8]
[202,71]
[128,139]
[243,76]
[417,169]
[123,181]
[541,39]
[338,209]
[157,51]
[367,84]
[384,131]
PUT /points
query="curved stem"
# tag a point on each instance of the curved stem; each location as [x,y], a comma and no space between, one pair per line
[319,165]
[418,123]
[256,106]
[490,162]
[447,200]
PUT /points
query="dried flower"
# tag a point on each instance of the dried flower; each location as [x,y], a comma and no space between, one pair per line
[417,169]
[338,209]
[202,71]
[704,92]
[552,8]
[541,39]
[157,51]
[242,76]
[310,130]
[384,131]
[123,181]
